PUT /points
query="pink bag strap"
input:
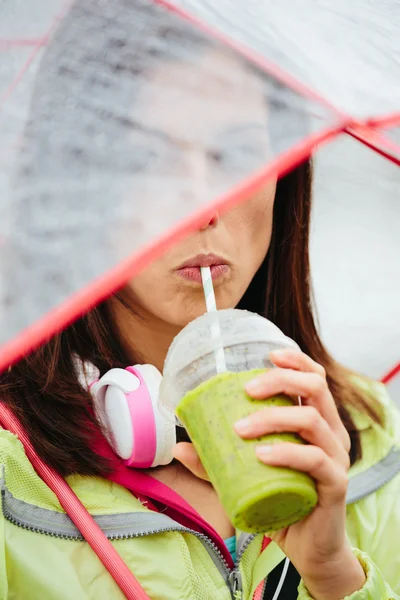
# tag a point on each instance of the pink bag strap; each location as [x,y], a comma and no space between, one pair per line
[78,514]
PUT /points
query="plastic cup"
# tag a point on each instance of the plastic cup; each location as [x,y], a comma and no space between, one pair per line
[256,497]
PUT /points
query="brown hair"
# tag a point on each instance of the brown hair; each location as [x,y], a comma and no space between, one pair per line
[57,412]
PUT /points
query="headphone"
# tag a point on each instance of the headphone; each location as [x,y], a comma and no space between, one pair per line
[126,405]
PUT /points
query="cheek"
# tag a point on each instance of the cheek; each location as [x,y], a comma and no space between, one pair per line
[148,287]
[155,293]
[255,217]
[262,204]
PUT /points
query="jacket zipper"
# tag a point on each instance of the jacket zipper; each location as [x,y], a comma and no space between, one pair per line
[235,578]
[232,577]
[235,583]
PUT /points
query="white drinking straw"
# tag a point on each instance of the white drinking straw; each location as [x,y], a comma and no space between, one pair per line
[215,328]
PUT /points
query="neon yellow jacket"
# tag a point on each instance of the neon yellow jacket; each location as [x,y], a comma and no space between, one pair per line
[43,557]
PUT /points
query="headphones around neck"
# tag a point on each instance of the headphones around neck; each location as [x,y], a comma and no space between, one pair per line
[126,405]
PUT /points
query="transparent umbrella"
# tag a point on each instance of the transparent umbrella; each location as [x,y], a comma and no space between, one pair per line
[124,123]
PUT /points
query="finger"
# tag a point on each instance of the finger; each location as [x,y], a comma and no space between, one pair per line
[306,421]
[332,481]
[290,358]
[296,360]
[186,454]
[312,387]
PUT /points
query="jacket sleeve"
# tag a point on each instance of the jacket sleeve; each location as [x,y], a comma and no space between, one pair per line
[374,588]
[373,523]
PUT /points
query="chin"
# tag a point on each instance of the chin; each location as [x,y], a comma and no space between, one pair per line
[193,310]
[190,315]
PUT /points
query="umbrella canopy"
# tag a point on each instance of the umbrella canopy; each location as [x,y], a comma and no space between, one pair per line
[123,124]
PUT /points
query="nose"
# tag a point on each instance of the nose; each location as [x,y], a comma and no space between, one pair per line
[211,221]
[196,165]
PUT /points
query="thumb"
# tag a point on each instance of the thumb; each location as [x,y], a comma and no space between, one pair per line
[187,455]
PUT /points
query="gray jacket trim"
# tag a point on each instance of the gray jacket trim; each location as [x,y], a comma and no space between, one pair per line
[366,483]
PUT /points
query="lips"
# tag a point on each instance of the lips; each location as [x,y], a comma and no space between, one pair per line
[190,270]
[204,260]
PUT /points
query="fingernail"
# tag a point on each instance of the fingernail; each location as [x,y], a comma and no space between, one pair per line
[253,387]
[263,451]
[278,353]
[243,426]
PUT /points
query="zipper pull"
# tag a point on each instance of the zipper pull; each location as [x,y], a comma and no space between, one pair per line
[235,581]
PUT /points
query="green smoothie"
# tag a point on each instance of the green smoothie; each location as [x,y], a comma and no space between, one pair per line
[257,497]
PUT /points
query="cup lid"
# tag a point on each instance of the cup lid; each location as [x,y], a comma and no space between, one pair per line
[247,339]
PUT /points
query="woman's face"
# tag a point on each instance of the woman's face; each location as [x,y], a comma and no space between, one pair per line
[233,244]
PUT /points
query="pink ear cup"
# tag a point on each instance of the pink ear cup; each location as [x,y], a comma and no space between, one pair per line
[126,403]
[143,425]
[165,426]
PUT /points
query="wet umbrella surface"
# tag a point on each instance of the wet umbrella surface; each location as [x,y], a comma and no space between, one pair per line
[105,108]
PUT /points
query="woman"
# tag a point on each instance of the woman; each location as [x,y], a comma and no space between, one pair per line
[137,326]
[260,253]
